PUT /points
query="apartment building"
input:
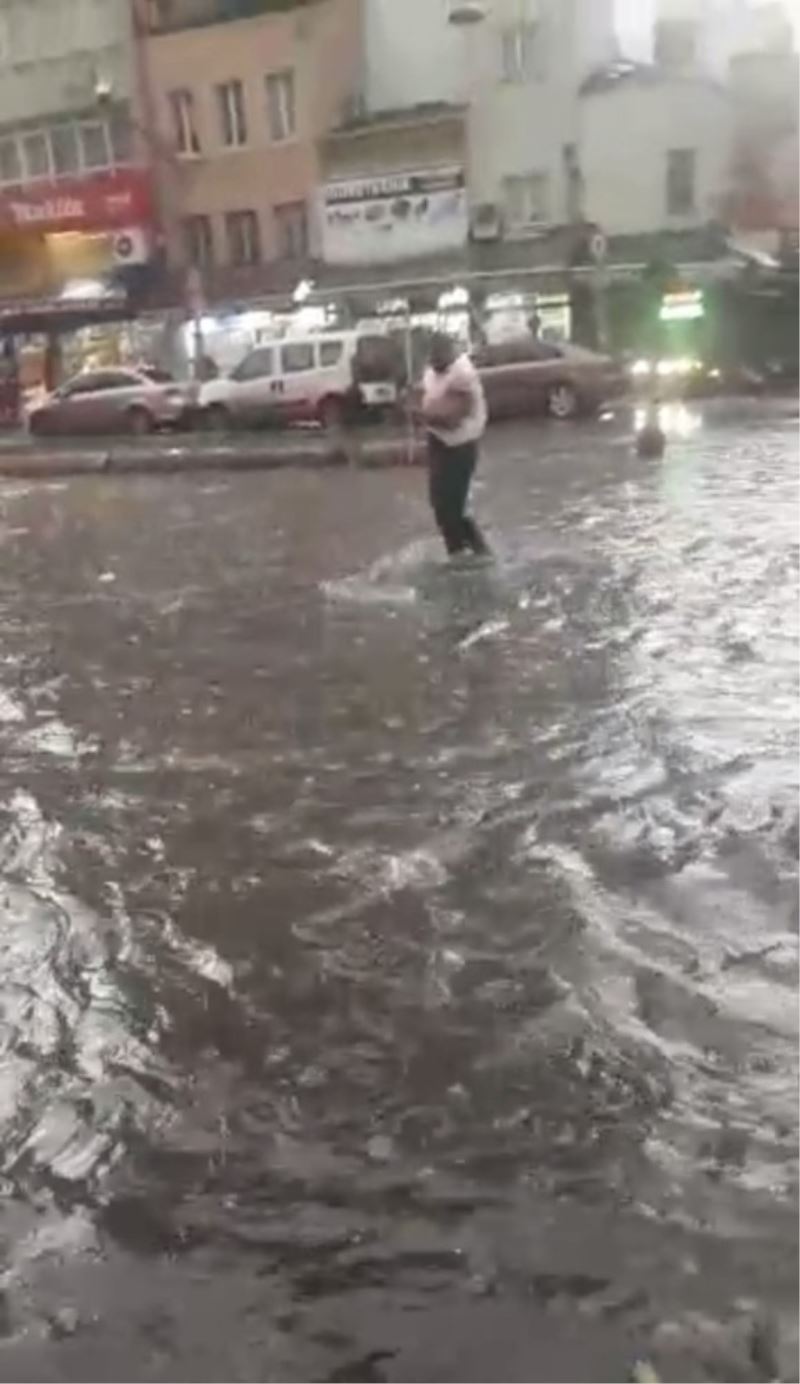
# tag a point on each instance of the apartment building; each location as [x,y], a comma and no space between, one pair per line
[517,65]
[75,192]
[237,98]
[556,90]
[677,134]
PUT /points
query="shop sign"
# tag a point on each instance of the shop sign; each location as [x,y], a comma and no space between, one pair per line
[686,306]
[102,201]
[393,217]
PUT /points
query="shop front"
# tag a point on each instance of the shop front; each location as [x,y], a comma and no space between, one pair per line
[70,252]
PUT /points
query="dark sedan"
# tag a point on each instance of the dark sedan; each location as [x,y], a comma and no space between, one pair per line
[533,376]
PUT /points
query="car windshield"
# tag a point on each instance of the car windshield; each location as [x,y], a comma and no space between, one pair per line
[157,375]
[377,358]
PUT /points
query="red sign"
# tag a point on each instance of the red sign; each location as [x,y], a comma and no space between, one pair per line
[97,202]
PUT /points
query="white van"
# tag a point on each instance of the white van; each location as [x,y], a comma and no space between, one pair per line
[330,378]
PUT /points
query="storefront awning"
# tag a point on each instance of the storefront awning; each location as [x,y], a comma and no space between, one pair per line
[62,315]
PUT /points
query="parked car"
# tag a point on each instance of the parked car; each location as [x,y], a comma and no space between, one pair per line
[531,375]
[112,401]
[330,378]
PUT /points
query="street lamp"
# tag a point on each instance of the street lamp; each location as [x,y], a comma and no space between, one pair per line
[161,152]
[463,13]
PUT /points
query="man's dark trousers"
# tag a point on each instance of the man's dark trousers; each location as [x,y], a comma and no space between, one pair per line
[450,471]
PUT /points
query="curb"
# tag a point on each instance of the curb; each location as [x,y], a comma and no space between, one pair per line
[44,465]
[358,454]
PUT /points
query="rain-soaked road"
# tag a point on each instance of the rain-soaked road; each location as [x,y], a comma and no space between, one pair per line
[398,965]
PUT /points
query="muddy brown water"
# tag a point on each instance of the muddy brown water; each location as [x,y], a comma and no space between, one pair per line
[399,964]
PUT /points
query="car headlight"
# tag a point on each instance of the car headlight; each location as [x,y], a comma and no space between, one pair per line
[641,367]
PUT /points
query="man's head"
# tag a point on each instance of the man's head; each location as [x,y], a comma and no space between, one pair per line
[442,352]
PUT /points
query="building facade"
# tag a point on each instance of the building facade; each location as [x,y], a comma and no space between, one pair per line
[544,137]
[517,68]
[677,136]
[76,199]
[236,104]
[763,203]
[394,188]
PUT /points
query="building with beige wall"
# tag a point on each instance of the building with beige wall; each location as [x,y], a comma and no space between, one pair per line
[237,107]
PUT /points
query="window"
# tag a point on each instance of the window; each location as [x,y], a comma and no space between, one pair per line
[244,240]
[198,241]
[521,52]
[297,356]
[36,153]
[527,199]
[119,379]
[64,149]
[10,167]
[156,374]
[257,365]
[121,135]
[291,226]
[230,99]
[681,170]
[676,43]
[181,104]
[330,353]
[94,145]
[92,383]
[281,116]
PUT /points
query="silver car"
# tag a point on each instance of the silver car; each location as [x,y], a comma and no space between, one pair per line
[113,401]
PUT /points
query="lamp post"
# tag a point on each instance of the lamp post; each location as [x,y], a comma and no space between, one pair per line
[467,16]
[163,156]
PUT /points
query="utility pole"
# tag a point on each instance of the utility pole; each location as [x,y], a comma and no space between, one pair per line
[166,166]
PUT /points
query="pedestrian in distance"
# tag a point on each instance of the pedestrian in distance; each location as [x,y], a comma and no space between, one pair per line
[454,413]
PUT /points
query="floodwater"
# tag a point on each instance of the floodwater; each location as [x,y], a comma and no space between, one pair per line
[399,964]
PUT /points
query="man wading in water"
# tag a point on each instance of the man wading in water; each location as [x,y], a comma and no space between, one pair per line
[454,412]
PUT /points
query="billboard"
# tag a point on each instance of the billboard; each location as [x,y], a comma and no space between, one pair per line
[396,216]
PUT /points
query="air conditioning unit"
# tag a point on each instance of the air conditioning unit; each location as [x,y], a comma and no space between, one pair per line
[486,222]
[130,246]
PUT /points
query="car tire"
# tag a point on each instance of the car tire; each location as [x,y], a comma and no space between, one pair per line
[139,422]
[217,419]
[563,401]
[332,413]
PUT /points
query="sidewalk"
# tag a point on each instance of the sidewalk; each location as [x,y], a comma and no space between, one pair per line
[20,456]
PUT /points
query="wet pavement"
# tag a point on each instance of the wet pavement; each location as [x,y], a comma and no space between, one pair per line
[399,963]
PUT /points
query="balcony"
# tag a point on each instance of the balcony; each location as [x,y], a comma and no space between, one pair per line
[170,16]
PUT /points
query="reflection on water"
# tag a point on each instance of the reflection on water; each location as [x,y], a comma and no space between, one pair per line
[675,419]
[399,963]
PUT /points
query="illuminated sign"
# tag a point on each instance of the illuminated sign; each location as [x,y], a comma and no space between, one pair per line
[682,307]
[96,202]
[377,220]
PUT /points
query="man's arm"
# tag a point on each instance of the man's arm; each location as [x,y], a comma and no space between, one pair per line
[451,410]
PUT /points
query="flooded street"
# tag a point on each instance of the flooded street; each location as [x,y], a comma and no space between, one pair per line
[399,963]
